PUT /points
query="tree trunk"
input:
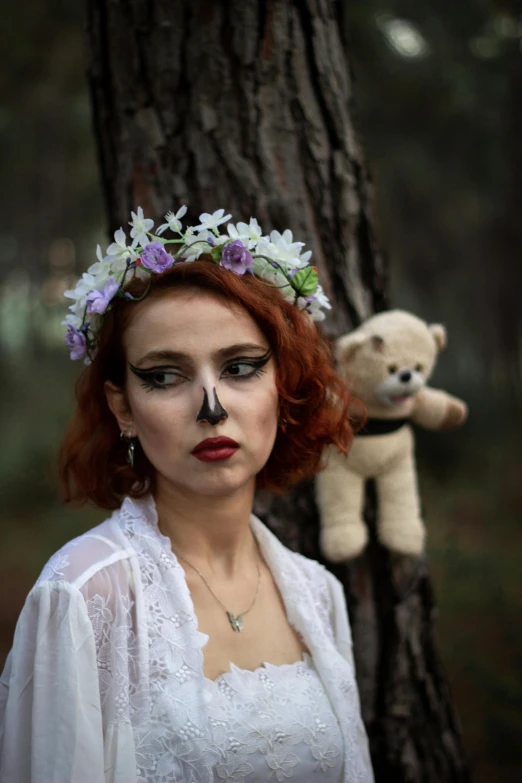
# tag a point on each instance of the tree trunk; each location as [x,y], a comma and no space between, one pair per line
[245,104]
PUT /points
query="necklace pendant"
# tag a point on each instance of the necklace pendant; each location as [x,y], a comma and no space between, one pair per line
[236,622]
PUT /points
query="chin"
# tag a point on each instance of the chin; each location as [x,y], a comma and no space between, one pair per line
[218,484]
[220,492]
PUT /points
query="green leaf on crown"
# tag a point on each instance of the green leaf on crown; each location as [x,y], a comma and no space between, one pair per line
[217,252]
[305,281]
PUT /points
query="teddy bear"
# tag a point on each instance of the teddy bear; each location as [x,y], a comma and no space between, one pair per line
[386,363]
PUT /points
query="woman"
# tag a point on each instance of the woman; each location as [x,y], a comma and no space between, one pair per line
[180,640]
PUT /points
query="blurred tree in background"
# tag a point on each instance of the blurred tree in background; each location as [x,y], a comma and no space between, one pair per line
[438,92]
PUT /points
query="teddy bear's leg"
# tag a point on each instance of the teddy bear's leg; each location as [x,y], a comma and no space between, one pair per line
[339,493]
[399,523]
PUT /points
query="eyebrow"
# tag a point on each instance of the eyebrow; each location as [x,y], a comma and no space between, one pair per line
[177,357]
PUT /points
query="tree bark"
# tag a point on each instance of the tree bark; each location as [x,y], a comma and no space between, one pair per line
[246,105]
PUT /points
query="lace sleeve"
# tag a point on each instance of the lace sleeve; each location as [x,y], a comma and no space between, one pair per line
[121,661]
[50,716]
[339,618]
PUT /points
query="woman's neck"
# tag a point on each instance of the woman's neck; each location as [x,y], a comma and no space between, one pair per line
[213,533]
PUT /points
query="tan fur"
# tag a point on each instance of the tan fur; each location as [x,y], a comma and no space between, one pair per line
[392,341]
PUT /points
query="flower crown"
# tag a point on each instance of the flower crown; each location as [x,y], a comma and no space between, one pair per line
[276,259]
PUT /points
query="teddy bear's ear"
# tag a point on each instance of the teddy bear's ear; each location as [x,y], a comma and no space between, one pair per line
[439,335]
[347,345]
[377,343]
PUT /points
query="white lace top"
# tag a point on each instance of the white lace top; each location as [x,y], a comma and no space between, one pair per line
[105,683]
[274,723]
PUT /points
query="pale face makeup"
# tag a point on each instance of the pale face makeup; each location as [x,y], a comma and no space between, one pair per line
[197,369]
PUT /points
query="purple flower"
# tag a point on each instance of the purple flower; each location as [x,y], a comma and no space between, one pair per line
[156,258]
[236,257]
[98,300]
[76,342]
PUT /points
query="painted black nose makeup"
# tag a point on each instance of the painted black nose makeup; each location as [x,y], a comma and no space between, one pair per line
[213,413]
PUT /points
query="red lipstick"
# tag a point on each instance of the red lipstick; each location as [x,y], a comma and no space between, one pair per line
[213,449]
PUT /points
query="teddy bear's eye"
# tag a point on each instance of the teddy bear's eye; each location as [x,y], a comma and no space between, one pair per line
[419,367]
[392,368]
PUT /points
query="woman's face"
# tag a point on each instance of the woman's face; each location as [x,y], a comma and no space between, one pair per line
[197,369]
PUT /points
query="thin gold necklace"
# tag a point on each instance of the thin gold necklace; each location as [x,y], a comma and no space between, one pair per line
[235,621]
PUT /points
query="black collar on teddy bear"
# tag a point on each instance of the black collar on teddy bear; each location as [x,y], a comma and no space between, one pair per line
[381,426]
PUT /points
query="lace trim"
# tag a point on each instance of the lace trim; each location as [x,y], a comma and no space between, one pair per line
[306,660]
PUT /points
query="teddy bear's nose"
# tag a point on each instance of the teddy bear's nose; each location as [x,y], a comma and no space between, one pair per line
[405,376]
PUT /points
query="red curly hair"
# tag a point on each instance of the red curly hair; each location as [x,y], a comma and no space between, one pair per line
[313,400]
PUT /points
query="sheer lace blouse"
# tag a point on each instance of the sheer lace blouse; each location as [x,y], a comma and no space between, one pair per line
[105,683]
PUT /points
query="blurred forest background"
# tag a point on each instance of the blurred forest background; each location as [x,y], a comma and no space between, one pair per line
[438,101]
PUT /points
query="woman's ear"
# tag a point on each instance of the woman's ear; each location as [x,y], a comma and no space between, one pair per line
[117,402]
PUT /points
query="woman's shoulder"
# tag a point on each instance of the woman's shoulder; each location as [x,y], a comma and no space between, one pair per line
[82,558]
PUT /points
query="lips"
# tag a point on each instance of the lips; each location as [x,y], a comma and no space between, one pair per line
[214,444]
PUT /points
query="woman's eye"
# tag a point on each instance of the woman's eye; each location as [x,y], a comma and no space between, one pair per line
[158,377]
[164,378]
[242,370]
[161,380]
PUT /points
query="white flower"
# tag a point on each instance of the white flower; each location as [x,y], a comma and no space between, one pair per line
[263,268]
[315,307]
[221,239]
[211,222]
[196,245]
[265,248]
[192,253]
[77,309]
[280,248]
[86,283]
[72,320]
[322,298]
[249,234]
[189,253]
[173,221]
[140,225]
[119,251]
[106,265]
[194,250]
[94,279]
[288,251]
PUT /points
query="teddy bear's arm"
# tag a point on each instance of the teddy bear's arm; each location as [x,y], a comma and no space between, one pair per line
[437,410]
